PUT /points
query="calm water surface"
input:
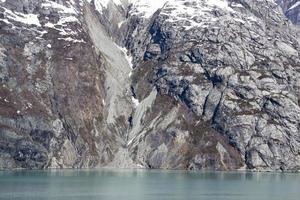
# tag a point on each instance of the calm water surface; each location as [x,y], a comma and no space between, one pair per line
[108,184]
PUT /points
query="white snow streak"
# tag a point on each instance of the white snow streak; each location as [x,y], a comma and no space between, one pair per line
[294,6]
[135,101]
[64,20]
[30,19]
[146,8]
[102,4]
[60,8]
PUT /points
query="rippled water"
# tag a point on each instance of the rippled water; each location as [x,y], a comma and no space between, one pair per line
[108,184]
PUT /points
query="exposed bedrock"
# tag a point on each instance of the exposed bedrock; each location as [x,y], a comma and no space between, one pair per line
[183,85]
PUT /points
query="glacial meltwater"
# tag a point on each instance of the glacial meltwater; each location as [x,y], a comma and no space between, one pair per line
[113,184]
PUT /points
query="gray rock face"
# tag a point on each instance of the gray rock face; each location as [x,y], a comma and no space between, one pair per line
[181,85]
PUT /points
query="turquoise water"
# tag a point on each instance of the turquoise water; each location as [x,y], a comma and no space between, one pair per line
[107,184]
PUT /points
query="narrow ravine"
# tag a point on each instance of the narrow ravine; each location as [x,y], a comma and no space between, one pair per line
[120,102]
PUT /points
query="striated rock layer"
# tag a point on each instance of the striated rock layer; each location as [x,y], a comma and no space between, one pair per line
[178,84]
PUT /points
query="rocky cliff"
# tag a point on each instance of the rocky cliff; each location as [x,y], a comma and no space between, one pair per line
[178,84]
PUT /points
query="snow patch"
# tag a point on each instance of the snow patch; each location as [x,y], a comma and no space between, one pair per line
[102,4]
[69,39]
[239,20]
[49,46]
[49,25]
[5,21]
[135,101]
[43,32]
[30,19]
[62,27]
[147,8]
[178,8]
[120,24]
[222,4]
[64,20]
[195,13]
[237,5]
[59,7]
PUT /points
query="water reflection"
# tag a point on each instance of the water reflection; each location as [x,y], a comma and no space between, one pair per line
[113,184]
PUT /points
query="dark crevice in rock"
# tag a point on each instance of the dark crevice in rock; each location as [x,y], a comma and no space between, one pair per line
[130,123]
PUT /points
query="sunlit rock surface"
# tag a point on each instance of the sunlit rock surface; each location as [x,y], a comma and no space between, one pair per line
[206,84]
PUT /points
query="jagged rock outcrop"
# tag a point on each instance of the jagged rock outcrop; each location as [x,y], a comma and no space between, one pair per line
[59,94]
[133,83]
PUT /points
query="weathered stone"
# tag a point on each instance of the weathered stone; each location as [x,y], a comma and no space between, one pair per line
[213,88]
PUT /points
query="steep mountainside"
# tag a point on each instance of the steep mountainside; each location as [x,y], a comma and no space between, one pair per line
[291,9]
[178,84]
